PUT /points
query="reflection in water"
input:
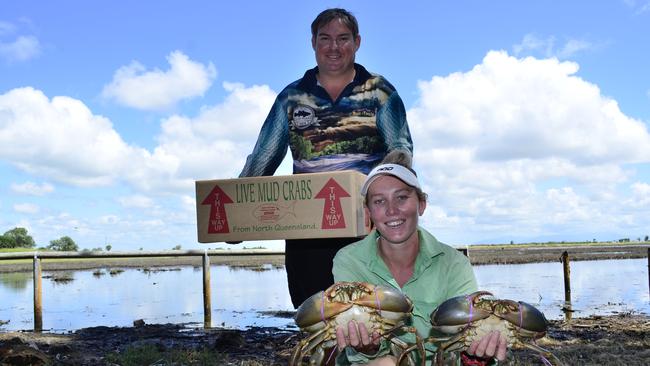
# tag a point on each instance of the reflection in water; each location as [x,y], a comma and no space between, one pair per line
[16,280]
[243,297]
[240,298]
[597,287]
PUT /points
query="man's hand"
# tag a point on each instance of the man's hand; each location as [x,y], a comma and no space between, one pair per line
[358,338]
[492,345]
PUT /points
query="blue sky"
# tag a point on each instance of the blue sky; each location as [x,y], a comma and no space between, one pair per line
[530,120]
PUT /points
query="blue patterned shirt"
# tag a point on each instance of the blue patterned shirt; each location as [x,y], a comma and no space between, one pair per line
[355,131]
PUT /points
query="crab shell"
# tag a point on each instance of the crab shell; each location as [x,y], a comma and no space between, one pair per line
[362,302]
[478,316]
[381,309]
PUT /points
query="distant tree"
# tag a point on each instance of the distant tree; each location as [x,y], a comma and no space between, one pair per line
[4,242]
[98,249]
[17,238]
[512,242]
[178,247]
[109,247]
[63,244]
[646,238]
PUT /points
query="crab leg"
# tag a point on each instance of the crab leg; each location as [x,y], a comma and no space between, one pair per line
[306,345]
[544,353]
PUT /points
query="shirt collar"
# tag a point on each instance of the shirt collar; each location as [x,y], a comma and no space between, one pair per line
[430,247]
[309,81]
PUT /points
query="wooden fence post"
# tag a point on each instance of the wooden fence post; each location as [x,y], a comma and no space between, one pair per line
[567,285]
[567,276]
[38,295]
[207,306]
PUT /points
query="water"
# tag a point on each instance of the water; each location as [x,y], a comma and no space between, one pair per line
[602,287]
[243,298]
[240,298]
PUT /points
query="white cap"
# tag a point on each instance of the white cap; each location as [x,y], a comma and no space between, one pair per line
[396,170]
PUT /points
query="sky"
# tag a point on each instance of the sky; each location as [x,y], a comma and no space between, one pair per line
[530,119]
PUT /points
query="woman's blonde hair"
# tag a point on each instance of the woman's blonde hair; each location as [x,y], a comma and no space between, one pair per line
[404,158]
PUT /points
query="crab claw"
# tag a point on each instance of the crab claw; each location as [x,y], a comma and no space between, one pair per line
[523,315]
[316,308]
[460,310]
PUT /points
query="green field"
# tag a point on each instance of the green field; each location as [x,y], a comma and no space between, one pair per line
[561,244]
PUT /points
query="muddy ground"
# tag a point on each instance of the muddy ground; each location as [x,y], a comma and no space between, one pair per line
[622,339]
[613,340]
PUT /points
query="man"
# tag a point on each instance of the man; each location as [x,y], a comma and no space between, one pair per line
[338,116]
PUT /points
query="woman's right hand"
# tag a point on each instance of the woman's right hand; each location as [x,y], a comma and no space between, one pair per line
[358,338]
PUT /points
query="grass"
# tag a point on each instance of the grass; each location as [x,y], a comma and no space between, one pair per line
[150,354]
[18,250]
[558,244]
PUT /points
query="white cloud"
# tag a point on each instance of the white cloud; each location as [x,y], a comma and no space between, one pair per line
[188,203]
[644,8]
[641,6]
[521,146]
[531,44]
[573,46]
[22,48]
[215,143]
[640,194]
[509,108]
[61,139]
[109,219]
[6,28]
[136,87]
[26,208]
[136,201]
[31,188]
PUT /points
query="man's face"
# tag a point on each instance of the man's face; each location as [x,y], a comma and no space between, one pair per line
[335,47]
[394,208]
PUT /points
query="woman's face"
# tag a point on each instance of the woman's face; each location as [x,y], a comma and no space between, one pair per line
[394,208]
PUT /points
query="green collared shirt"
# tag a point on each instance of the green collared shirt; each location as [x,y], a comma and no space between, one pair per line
[441,272]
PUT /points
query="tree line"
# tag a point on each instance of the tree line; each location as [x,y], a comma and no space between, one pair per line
[18,237]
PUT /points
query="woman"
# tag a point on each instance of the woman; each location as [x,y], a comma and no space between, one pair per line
[401,254]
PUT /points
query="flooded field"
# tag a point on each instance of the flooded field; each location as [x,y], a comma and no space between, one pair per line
[245,297]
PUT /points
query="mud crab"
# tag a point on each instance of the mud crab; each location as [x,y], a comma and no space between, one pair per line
[463,319]
[379,308]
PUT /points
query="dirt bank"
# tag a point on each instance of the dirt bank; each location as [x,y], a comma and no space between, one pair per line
[497,254]
[505,254]
[614,340]
[74,264]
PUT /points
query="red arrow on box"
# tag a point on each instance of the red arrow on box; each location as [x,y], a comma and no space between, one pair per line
[332,193]
[218,219]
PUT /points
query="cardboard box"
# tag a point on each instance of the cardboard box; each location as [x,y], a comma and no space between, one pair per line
[301,206]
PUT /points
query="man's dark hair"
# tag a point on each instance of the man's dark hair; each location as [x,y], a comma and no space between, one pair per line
[328,15]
